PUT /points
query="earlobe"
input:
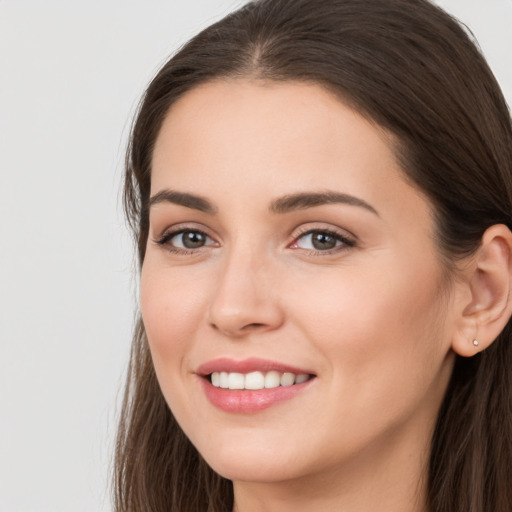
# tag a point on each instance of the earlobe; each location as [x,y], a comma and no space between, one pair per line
[489,278]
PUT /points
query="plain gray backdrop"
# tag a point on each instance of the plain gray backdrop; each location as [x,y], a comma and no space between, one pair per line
[71,73]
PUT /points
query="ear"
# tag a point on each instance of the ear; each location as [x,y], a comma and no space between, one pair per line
[487,307]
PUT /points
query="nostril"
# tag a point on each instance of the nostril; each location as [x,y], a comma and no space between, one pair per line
[244,318]
[253,326]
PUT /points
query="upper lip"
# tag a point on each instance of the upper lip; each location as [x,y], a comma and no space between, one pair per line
[253,364]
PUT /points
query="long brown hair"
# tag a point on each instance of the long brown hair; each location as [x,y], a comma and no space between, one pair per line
[411,68]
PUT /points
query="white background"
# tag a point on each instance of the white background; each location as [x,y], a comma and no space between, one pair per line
[71,73]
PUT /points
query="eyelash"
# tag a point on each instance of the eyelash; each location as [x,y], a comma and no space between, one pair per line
[345,242]
[168,236]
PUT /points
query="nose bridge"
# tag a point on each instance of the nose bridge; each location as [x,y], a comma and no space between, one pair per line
[243,300]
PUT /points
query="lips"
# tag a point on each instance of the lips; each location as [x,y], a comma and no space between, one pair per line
[248,365]
[251,385]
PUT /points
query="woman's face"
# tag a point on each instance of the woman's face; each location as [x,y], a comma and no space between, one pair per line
[285,246]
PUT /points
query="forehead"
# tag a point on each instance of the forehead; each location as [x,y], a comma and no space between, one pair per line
[271,139]
[262,122]
[266,107]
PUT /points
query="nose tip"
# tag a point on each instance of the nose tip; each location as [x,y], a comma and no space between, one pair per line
[244,303]
[248,317]
[236,325]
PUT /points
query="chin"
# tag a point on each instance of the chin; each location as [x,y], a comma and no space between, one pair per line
[253,472]
[252,465]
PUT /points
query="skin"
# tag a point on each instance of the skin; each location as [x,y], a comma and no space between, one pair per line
[374,320]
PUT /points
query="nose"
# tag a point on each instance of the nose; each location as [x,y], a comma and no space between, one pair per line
[245,299]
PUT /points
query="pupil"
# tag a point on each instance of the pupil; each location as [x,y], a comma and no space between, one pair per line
[193,239]
[322,241]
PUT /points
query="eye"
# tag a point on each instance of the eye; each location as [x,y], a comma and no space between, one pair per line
[185,240]
[322,240]
[189,240]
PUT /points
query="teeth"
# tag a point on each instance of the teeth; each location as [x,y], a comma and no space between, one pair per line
[272,380]
[223,380]
[303,377]
[287,379]
[256,380]
[216,379]
[236,381]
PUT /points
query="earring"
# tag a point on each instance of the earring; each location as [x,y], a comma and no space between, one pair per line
[475,343]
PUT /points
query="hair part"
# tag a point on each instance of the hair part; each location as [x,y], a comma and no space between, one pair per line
[413,70]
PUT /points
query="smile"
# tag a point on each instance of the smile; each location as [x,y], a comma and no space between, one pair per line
[256,380]
[251,385]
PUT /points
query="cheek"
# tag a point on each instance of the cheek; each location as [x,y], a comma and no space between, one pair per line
[346,306]
[378,330]
[381,344]
[171,309]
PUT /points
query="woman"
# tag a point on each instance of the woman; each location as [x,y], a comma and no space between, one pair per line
[321,195]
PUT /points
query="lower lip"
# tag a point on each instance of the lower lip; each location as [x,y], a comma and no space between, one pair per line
[244,401]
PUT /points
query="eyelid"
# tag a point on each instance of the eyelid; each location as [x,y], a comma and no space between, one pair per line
[347,240]
[170,232]
[179,228]
[169,235]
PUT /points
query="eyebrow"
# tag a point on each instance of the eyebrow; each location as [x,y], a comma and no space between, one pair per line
[285,204]
[183,199]
[304,200]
